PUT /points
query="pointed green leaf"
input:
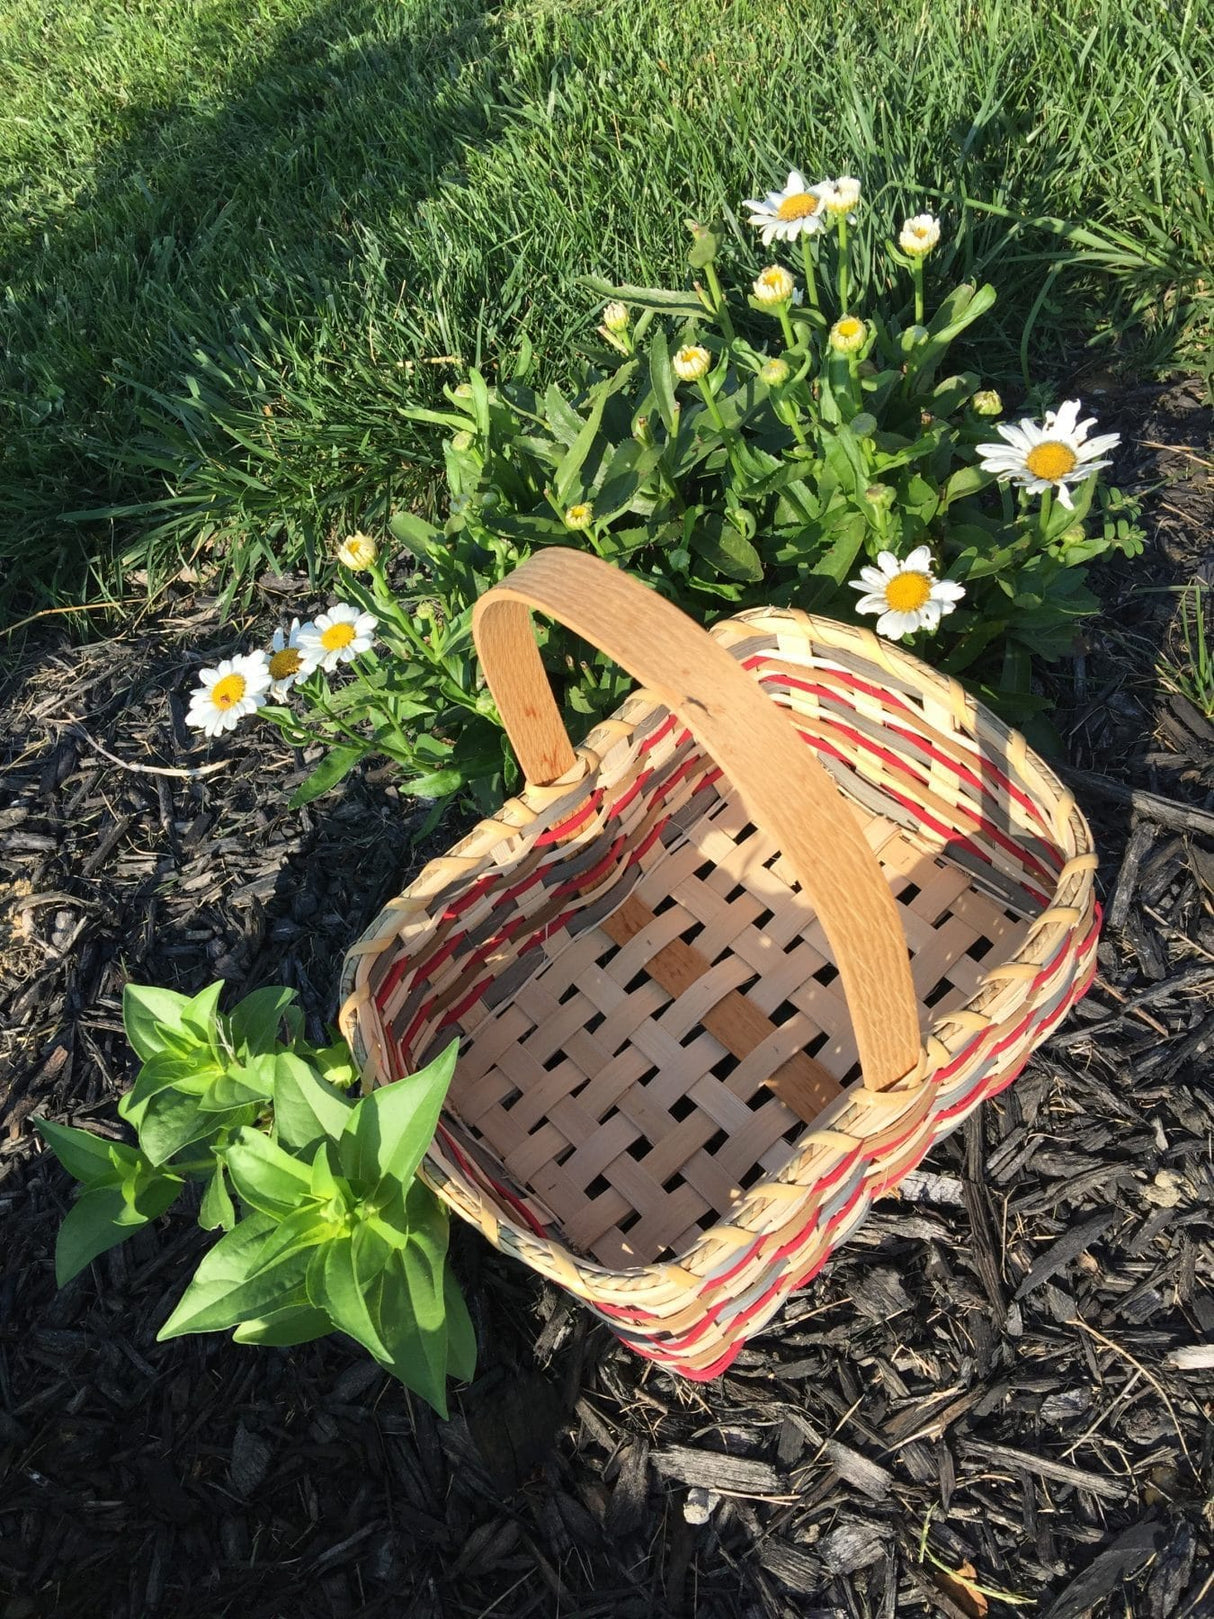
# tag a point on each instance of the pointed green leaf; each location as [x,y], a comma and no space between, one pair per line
[217,1209]
[395,1124]
[305,1107]
[333,768]
[250,1272]
[264,1176]
[255,1022]
[661,380]
[199,1015]
[461,1335]
[147,1012]
[335,1286]
[418,1359]
[170,1122]
[84,1155]
[292,1324]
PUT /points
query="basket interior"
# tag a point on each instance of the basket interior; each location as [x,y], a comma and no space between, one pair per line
[637,989]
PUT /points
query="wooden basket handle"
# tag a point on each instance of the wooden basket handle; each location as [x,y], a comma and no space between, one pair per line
[787,793]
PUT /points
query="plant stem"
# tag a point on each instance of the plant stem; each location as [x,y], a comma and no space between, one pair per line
[811,278]
[917,273]
[720,307]
[790,340]
[1047,508]
[844,266]
[718,421]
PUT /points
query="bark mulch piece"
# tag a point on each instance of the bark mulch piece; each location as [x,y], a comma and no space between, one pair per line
[1003,1385]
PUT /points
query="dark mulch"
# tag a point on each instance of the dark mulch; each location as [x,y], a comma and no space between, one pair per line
[1009,1372]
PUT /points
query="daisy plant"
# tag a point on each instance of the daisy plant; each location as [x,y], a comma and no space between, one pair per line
[323,1226]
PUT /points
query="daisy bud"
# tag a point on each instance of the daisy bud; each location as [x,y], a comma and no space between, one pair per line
[773,287]
[691,362]
[461,441]
[615,317]
[775,372]
[580,517]
[919,235]
[879,495]
[848,335]
[357,552]
[842,196]
[987,402]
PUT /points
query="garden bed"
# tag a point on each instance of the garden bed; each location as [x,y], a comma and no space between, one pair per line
[1011,1376]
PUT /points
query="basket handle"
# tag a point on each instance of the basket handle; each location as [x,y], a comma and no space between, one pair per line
[786,791]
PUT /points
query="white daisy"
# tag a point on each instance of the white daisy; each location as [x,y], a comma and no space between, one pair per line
[907,594]
[919,235]
[1050,455]
[229,691]
[785,215]
[337,636]
[357,552]
[287,663]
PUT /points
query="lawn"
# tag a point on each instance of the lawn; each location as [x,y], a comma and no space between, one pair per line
[237,238]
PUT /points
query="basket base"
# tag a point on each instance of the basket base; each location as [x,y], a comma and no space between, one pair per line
[631,1086]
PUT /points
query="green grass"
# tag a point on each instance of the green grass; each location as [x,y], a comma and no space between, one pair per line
[236,234]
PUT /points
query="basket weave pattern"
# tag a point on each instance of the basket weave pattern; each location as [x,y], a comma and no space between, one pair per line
[658,1103]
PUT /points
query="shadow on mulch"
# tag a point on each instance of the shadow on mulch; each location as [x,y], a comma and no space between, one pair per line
[1008,1372]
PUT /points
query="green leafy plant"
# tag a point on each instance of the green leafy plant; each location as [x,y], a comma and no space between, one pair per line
[325,1226]
[1189,668]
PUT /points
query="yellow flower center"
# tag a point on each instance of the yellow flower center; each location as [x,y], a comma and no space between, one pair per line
[226,693]
[1051,460]
[285,663]
[337,636]
[801,205]
[908,592]
[849,327]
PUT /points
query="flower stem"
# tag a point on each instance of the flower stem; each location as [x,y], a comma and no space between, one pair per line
[917,273]
[720,307]
[811,278]
[844,266]
[718,421]
[790,339]
[1047,507]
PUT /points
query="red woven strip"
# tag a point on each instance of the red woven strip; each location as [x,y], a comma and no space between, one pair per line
[566,829]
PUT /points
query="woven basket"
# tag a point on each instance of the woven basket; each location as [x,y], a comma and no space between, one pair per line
[723,974]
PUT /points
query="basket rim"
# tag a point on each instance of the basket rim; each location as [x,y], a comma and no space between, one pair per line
[1066,917]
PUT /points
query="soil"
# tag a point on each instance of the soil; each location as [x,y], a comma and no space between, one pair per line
[999,1394]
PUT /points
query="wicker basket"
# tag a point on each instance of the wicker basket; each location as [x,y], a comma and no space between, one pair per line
[723,974]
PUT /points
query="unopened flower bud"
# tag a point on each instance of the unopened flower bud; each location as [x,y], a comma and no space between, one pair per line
[615,316]
[642,431]
[848,335]
[842,195]
[773,286]
[464,391]
[580,517]
[691,362]
[461,441]
[357,552]
[775,372]
[987,402]
[879,495]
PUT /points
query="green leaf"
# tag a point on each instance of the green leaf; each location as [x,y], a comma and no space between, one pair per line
[420,538]
[395,1124]
[661,380]
[85,1156]
[172,1121]
[251,1272]
[264,1176]
[728,552]
[292,1324]
[965,481]
[569,470]
[148,1015]
[199,1015]
[338,1285]
[418,1359]
[461,1335]
[564,421]
[333,768]
[658,298]
[102,1218]
[306,1109]
[836,563]
[255,1022]
[217,1209]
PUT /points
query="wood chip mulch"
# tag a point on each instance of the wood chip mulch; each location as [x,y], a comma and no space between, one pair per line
[1000,1395]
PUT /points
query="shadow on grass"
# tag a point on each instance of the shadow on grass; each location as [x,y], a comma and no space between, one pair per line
[207,228]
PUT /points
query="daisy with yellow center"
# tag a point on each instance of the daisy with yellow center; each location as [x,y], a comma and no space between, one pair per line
[229,691]
[580,517]
[919,235]
[338,636]
[691,362]
[774,286]
[615,316]
[848,335]
[907,595]
[782,216]
[287,663]
[1050,455]
[357,552]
